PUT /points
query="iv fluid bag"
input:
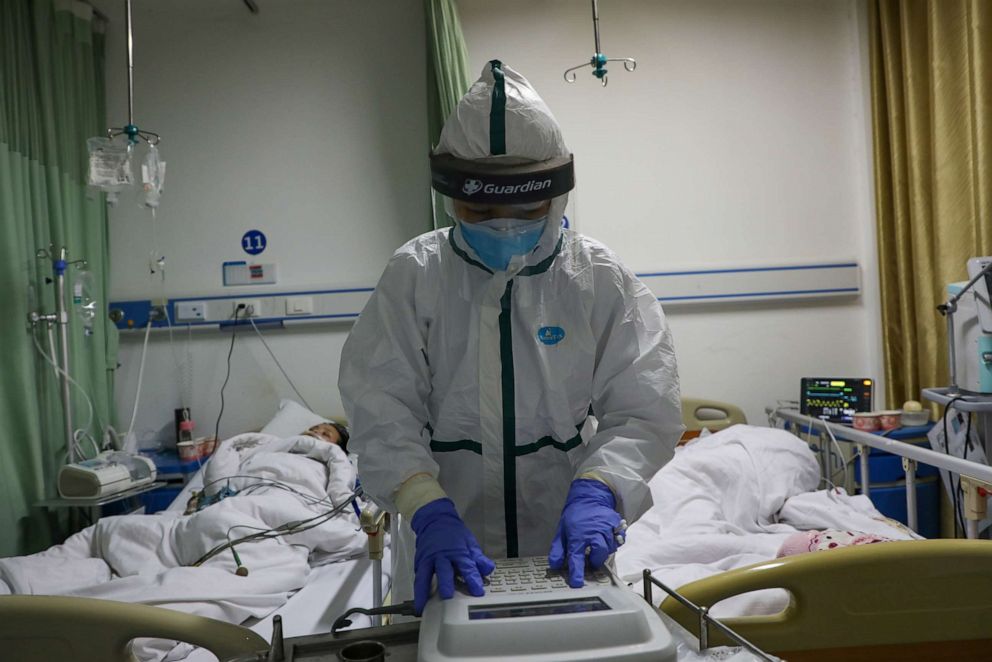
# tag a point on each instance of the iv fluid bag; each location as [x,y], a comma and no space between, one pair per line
[152,177]
[110,166]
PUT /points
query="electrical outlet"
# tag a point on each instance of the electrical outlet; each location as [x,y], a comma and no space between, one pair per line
[191,311]
[252,308]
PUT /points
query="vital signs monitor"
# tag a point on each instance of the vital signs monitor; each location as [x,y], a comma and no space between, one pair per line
[529,614]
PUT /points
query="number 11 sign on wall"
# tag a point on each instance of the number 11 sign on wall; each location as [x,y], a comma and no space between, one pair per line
[253,242]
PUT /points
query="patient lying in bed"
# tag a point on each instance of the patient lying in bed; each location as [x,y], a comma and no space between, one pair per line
[330,432]
[741,496]
[164,559]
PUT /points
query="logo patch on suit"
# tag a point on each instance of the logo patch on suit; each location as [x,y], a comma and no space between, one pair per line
[551,335]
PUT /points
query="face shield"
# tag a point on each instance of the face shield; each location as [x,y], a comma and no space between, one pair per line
[502,205]
[502,168]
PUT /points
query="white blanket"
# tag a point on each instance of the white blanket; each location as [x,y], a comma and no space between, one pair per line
[148,558]
[729,500]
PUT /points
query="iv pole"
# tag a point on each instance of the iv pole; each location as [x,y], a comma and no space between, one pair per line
[130,129]
[61,318]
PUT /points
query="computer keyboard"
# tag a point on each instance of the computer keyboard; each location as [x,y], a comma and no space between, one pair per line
[531,575]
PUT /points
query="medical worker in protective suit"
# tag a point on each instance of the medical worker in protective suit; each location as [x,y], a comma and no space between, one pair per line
[510,385]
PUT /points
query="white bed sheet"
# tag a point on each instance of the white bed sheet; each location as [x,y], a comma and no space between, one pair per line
[330,590]
[730,500]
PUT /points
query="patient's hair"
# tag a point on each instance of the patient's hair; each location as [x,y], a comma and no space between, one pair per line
[320,431]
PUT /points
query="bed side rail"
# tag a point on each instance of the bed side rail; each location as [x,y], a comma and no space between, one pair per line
[704,620]
[887,593]
[45,627]
[976,478]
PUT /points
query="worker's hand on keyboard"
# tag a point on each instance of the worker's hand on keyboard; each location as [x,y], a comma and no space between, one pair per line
[444,547]
[589,521]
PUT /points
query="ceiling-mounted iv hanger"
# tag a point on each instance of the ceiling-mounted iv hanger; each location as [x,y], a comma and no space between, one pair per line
[598,60]
[131,130]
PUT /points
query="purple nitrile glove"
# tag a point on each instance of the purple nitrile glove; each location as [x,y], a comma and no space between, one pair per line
[443,547]
[590,521]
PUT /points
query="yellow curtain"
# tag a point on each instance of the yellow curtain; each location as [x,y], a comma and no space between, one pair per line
[931,70]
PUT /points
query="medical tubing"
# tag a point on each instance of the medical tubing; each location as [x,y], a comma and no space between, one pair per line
[63,323]
[230,351]
[281,369]
[271,482]
[840,455]
[74,439]
[141,377]
[289,528]
[955,488]
[401,609]
[185,378]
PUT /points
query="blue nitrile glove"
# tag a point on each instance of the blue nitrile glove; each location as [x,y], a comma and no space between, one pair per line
[444,546]
[590,521]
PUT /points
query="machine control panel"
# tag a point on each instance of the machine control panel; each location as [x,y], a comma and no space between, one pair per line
[530,614]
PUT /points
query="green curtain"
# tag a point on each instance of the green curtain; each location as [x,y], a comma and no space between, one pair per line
[931,79]
[51,101]
[447,72]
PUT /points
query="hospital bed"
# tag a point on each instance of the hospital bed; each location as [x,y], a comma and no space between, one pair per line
[919,600]
[330,589]
[699,414]
[55,628]
[868,601]
[910,600]
[43,628]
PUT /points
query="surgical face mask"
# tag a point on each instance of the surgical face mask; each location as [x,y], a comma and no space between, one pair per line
[497,240]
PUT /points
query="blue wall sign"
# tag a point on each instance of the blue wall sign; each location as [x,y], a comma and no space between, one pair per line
[253,242]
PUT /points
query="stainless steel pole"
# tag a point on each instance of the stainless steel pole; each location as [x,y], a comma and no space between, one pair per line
[63,322]
[595,24]
[130,65]
[865,478]
[952,350]
[909,466]
[376,590]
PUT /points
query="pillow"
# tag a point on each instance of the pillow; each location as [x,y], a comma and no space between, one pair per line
[292,419]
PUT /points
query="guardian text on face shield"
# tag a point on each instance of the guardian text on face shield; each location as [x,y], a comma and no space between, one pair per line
[495,189]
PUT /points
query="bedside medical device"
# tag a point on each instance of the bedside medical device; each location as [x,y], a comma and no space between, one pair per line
[529,614]
[835,399]
[109,472]
[969,330]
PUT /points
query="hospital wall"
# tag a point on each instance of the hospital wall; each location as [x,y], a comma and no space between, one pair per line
[741,139]
[308,122]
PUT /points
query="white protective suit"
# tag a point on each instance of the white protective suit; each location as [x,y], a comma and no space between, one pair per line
[489,382]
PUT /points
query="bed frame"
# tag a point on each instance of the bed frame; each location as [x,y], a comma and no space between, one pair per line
[976,479]
[909,600]
[45,628]
[713,415]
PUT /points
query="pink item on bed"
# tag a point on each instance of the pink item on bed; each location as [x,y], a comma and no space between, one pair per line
[815,541]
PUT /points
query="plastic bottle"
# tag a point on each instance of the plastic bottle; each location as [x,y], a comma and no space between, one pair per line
[83,301]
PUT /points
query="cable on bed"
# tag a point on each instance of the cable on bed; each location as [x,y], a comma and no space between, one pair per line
[271,482]
[242,570]
[401,609]
[289,528]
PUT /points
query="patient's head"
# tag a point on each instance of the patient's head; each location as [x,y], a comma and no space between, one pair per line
[332,433]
